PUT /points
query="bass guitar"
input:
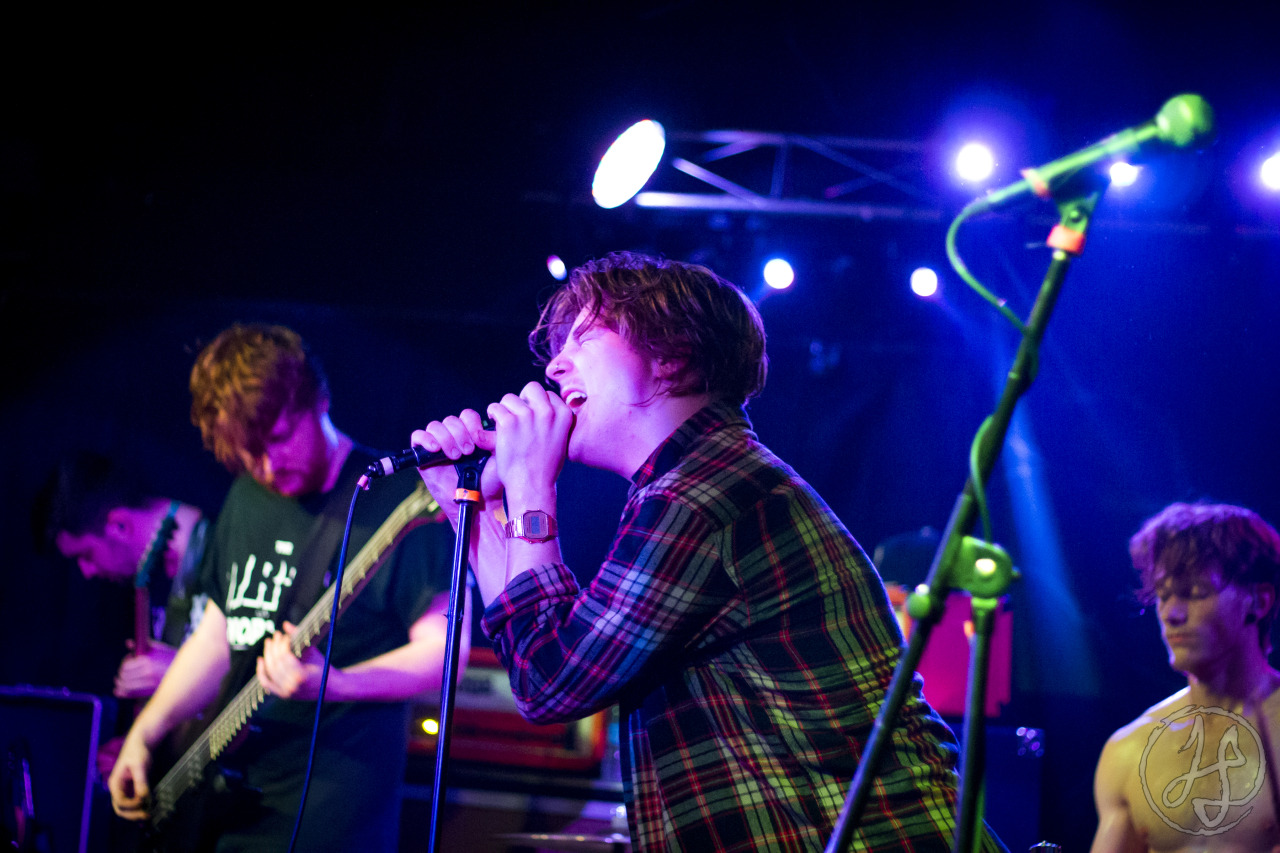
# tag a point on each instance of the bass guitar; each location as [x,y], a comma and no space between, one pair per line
[195,771]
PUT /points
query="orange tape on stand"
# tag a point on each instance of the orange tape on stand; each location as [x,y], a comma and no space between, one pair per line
[1038,184]
[462,495]
[1062,237]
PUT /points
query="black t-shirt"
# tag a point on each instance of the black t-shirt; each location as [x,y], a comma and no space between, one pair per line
[251,569]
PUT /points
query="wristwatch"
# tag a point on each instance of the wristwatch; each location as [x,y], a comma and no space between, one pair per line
[532,526]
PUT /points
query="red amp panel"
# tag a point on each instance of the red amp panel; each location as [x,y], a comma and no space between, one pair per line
[487,727]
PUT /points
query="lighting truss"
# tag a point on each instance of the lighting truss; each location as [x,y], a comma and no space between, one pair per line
[745,171]
[793,174]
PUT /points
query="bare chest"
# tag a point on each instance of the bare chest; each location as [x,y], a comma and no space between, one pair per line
[1203,784]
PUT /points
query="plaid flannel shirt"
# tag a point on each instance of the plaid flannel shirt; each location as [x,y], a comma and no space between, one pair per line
[749,644]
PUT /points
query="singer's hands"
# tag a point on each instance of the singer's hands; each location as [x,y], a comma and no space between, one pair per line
[456,436]
[528,445]
[532,439]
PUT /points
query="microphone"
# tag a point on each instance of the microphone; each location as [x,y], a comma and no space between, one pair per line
[414,457]
[1184,121]
[420,457]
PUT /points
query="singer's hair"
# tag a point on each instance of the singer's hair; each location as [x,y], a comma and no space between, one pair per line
[241,383]
[82,488]
[668,310]
[1183,541]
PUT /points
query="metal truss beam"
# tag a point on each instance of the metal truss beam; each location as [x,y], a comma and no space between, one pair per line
[787,174]
[792,174]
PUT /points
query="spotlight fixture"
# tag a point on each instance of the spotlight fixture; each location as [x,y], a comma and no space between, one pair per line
[1270,172]
[975,162]
[779,274]
[924,282]
[557,268]
[1123,174]
[628,163]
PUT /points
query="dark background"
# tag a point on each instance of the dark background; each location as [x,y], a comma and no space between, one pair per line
[390,182]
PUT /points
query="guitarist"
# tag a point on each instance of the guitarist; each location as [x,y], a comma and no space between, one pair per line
[99,513]
[261,402]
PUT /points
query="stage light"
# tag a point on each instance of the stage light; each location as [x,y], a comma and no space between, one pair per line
[975,162]
[1124,174]
[778,274]
[1270,172]
[924,282]
[557,268]
[430,726]
[627,165]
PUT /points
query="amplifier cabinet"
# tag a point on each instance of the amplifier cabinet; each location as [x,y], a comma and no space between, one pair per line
[49,737]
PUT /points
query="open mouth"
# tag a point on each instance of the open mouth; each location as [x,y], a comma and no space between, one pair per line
[575,399]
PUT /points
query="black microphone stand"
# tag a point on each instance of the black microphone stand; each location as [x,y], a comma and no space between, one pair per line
[467,497]
[964,562]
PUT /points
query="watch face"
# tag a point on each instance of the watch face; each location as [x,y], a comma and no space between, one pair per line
[535,525]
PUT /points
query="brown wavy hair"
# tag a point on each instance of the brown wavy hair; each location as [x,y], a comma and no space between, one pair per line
[668,310]
[241,383]
[1183,540]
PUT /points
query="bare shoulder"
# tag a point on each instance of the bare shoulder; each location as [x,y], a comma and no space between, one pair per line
[1140,727]
[1123,752]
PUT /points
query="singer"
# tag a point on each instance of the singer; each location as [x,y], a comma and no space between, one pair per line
[743,632]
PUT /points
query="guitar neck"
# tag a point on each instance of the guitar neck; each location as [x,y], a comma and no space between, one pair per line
[151,558]
[141,620]
[218,737]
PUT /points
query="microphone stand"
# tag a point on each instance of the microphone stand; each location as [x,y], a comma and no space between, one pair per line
[467,497]
[964,562]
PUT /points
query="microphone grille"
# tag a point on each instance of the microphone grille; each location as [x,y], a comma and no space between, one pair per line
[1186,120]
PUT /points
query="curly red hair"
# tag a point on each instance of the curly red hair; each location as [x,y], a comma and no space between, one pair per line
[241,383]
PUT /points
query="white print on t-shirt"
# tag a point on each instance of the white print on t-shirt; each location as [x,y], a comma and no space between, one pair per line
[237,598]
[245,631]
[266,587]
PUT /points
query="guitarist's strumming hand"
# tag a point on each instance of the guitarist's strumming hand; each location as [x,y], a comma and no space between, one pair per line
[282,674]
[140,674]
[128,782]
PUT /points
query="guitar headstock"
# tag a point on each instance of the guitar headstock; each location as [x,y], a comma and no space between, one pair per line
[156,548]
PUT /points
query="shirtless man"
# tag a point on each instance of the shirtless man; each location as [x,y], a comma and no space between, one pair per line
[1197,771]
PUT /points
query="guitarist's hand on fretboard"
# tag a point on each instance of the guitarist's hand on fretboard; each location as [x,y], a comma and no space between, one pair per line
[284,674]
[140,673]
